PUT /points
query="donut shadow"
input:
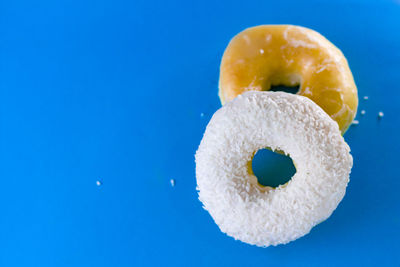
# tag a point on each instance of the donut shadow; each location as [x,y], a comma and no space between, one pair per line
[286,89]
[345,225]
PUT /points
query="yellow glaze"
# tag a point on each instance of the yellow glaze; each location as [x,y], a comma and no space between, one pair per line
[266,55]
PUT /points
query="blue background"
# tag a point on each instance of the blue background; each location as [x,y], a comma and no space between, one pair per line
[113,91]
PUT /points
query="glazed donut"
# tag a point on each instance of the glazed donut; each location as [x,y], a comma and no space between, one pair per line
[229,191]
[288,55]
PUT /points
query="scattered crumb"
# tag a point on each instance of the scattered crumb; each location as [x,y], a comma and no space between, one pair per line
[172,181]
[202,114]
[355,122]
[365,97]
[261,51]
[362,112]
[380,114]
[98,183]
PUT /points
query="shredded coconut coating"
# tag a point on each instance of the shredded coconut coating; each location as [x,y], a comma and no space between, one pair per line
[287,122]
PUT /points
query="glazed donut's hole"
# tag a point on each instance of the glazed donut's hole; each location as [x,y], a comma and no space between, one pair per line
[272,169]
[288,83]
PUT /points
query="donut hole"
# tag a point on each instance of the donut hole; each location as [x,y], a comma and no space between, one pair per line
[288,83]
[272,169]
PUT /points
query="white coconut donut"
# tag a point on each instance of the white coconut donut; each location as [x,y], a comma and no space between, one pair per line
[265,216]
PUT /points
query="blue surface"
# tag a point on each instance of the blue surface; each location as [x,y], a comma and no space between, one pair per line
[113,91]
